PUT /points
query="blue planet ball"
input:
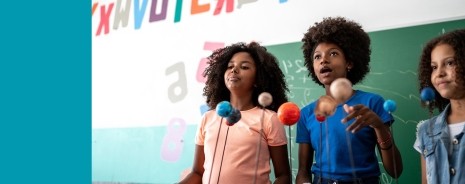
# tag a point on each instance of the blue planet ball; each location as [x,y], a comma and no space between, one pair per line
[390,106]
[223,109]
[427,94]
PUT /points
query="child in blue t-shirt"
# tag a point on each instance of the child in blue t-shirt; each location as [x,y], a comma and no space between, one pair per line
[343,152]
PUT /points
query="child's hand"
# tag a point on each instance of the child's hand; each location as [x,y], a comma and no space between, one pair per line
[363,117]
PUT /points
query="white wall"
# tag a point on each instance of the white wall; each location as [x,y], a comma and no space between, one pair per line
[129,80]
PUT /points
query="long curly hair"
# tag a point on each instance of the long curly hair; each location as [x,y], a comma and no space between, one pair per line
[456,39]
[269,77]
[349,36]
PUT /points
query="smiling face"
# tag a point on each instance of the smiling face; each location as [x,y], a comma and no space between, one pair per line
[443,76]
[240,74]
[329,63]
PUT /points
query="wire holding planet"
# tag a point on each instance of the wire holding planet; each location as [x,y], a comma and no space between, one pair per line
[390,106]
[264,99]
[341,90]
[325,107]
[224,109]
[289,114]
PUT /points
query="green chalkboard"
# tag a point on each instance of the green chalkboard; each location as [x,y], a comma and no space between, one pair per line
[394,60]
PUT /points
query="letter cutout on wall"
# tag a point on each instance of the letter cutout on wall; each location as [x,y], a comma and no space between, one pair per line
[203,62]
[173,143]
[139,12]
[241,2]
[180,85]
[219,6]
[177,11]
[199,8]
[94,7]
[104,19]
[122,15]
[154,16]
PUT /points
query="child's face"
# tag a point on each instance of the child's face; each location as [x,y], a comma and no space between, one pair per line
[443,76]
[329,63]
[240,74]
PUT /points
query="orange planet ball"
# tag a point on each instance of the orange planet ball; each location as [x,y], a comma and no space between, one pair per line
[288,113]
[326,106]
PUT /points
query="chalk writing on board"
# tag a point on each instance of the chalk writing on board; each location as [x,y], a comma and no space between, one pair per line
[302,90]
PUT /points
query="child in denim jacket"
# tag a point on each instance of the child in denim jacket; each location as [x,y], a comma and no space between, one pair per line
[440,139]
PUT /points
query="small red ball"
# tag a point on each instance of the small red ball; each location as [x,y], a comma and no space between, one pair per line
[229,124]
[320,118]
[288,113]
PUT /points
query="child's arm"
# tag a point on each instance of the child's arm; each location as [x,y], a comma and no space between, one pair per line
[389,152]
[423,170]
[195,176]
[305,161]
[364,116]
[280,161]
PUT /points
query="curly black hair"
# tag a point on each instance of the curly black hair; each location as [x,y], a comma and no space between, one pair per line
[269,77]
[456,39]
[349,36]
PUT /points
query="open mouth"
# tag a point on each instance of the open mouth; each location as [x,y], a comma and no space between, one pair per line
[325,70]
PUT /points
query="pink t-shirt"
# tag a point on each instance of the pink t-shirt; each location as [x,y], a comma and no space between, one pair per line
[239,159]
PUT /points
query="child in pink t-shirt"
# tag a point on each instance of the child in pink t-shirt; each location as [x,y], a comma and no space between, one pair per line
[228,154]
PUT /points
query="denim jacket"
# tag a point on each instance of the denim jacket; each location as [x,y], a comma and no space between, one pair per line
[445,159]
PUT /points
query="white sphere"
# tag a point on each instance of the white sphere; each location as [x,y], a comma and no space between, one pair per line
[341,89]
[265,99]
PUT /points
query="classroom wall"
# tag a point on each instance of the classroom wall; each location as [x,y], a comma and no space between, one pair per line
[147,59]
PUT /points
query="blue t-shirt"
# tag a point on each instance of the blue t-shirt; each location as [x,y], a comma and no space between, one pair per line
[329,140]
